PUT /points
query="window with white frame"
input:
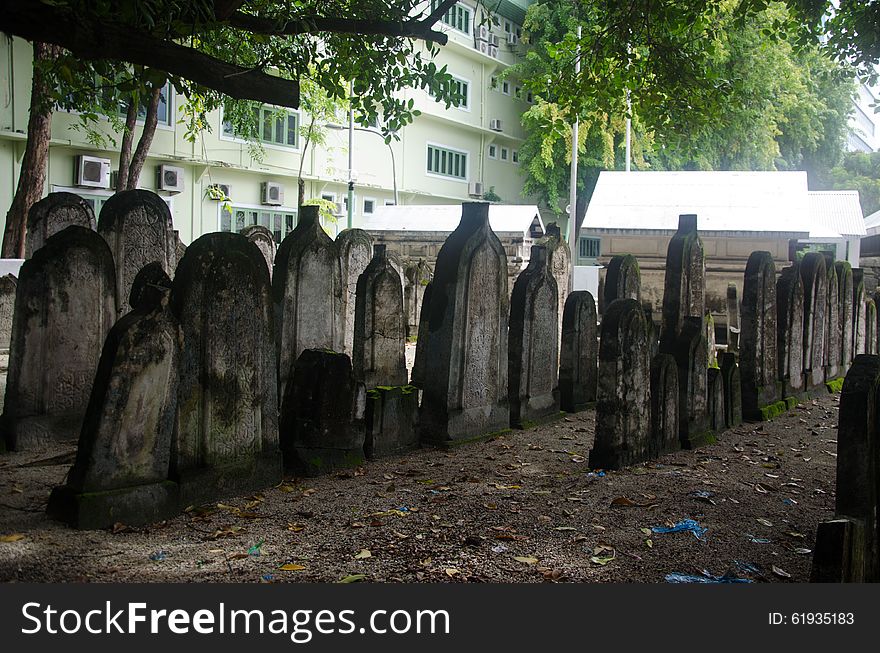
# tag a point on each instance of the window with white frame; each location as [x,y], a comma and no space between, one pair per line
[461,90]
[458,16]
[447,162]
[280,221]
[493,151]
[514,156]
[369,205]
[274,127]
[504,154]
[530,98]
[505,87]
[517,92]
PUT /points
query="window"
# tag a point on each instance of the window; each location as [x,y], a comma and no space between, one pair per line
[505,87]
[163,112]
[369,206]
[514,156]
[389,202]
[588,247]
[517,92]
[493,82]
[279,221]
[446,162]
[507,26]
[504,154]
[493,151]
[458,17]
[461,91]
[274,127]
[530,98]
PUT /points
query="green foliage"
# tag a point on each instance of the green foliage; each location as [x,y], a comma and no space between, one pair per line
[326,209]
[491,196]
[858,171]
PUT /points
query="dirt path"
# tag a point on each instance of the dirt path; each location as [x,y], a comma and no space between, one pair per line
[524,507]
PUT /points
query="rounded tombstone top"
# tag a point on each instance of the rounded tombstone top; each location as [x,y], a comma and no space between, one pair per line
[125,202]
[257,232]
[149,285]
[52,214]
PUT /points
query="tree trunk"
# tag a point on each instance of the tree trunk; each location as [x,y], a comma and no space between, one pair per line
[34,165]
[125,147]
[146,140]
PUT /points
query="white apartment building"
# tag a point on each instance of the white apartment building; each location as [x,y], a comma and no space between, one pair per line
[445,156]
[864,124]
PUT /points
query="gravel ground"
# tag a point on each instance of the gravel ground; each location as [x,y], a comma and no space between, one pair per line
[524,507]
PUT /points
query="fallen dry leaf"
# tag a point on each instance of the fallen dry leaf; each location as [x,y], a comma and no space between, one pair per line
[526,559]
[363,553]
[291,567]
[14,537]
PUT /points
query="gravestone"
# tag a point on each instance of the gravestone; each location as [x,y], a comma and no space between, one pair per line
[307,293]
[653,330]
[391,421]
[664,406]
[845,301]
[733,318]
[52,214]
[578,365]
[138,228]
[418,276]
[379,325]
[322,415]
[417,376]
[8,284]
[717,417]
[64,306]
[227,418]
[121,468]
[711,347]
[730,372]
[559,257]
[790,330]
[265,242]
[859,297]
[690,356]
[870,327]
[623,280]
[758,358]
[683,288]
[813,275]
[464,382]
[848,548]
[533,364]
[354,247]
[623,406]
[179,247]
[832,322]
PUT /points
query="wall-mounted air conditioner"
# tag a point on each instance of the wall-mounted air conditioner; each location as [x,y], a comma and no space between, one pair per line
[92,172]
[171,178]
[512,39]
[219,192]
[483,33]
[493,51]
[339,208]
[272,194]
[495,124]
[114,179]
[483,47]
[475,189]
[493,40]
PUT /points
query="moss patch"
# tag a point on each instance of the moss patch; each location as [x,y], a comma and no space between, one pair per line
[835,385]
[528,424]
[791,402]
[774,410]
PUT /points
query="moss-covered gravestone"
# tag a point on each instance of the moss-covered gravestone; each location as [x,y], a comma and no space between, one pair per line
[391,420]
[623,279]
[464,379]
[733,318]
[354,247]
[122,462]
[683,288]
[418,369]
[418,276]
[227,424]
[8,284]
[832,321]
[264,240]
[322,419]
[870,327]
[559,262]
[53,213]
[859,297]
[813,275]
[790,331]
[578,366]
[664,405]
[730,372]
[845,302]
[758,355]
[137,226]
[690,356]
[64,306]
[623,406]
[715,409]
[533,368]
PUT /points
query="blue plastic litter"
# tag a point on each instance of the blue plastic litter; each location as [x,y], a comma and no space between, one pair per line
[788,502]
[267,578]
[757,540]
[705,578]
[403,509]
[683,525]
[596,474]
[158,556]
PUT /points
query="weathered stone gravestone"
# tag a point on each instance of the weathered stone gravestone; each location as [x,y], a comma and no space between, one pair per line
[179,247]
[832,322]
[733,318]
[845,302]
[790,330]
[859,297]
[417,376]
[870,327]
[690,355]
[653,330]
[64,306]
[124,453]
[354,247]
[391,421]
[732,389]
[138,228]
[664,406]
[683,289]
[758,356]
[322,415]
[8,284]
[265,242]
[418,276]
[307,291]
[716,412]
[379,325]
[623,279]
[848,547]
[813,275]
[623,406]
[578,365]
[711,346]
[533,364]
[559,257]
[227,418]
[464,382]
[52,214]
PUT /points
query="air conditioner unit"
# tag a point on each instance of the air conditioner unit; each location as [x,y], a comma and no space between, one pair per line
[493,51]
[219,192]
[273,193]
[171,178]
[493,40]
[475,189]
[495,124]
[92,171]
[114,179]
[483,33]
[483,47]
[512,39]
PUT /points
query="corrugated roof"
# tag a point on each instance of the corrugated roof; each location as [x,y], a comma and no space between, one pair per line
[837,210]
[508,218]
[722,200]
[872,223]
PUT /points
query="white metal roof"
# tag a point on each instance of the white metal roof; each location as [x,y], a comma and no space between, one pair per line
[872,223]
[722,200]
[508,218]
[838,211]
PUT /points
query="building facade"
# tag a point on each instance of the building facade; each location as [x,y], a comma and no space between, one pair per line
[446,156]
